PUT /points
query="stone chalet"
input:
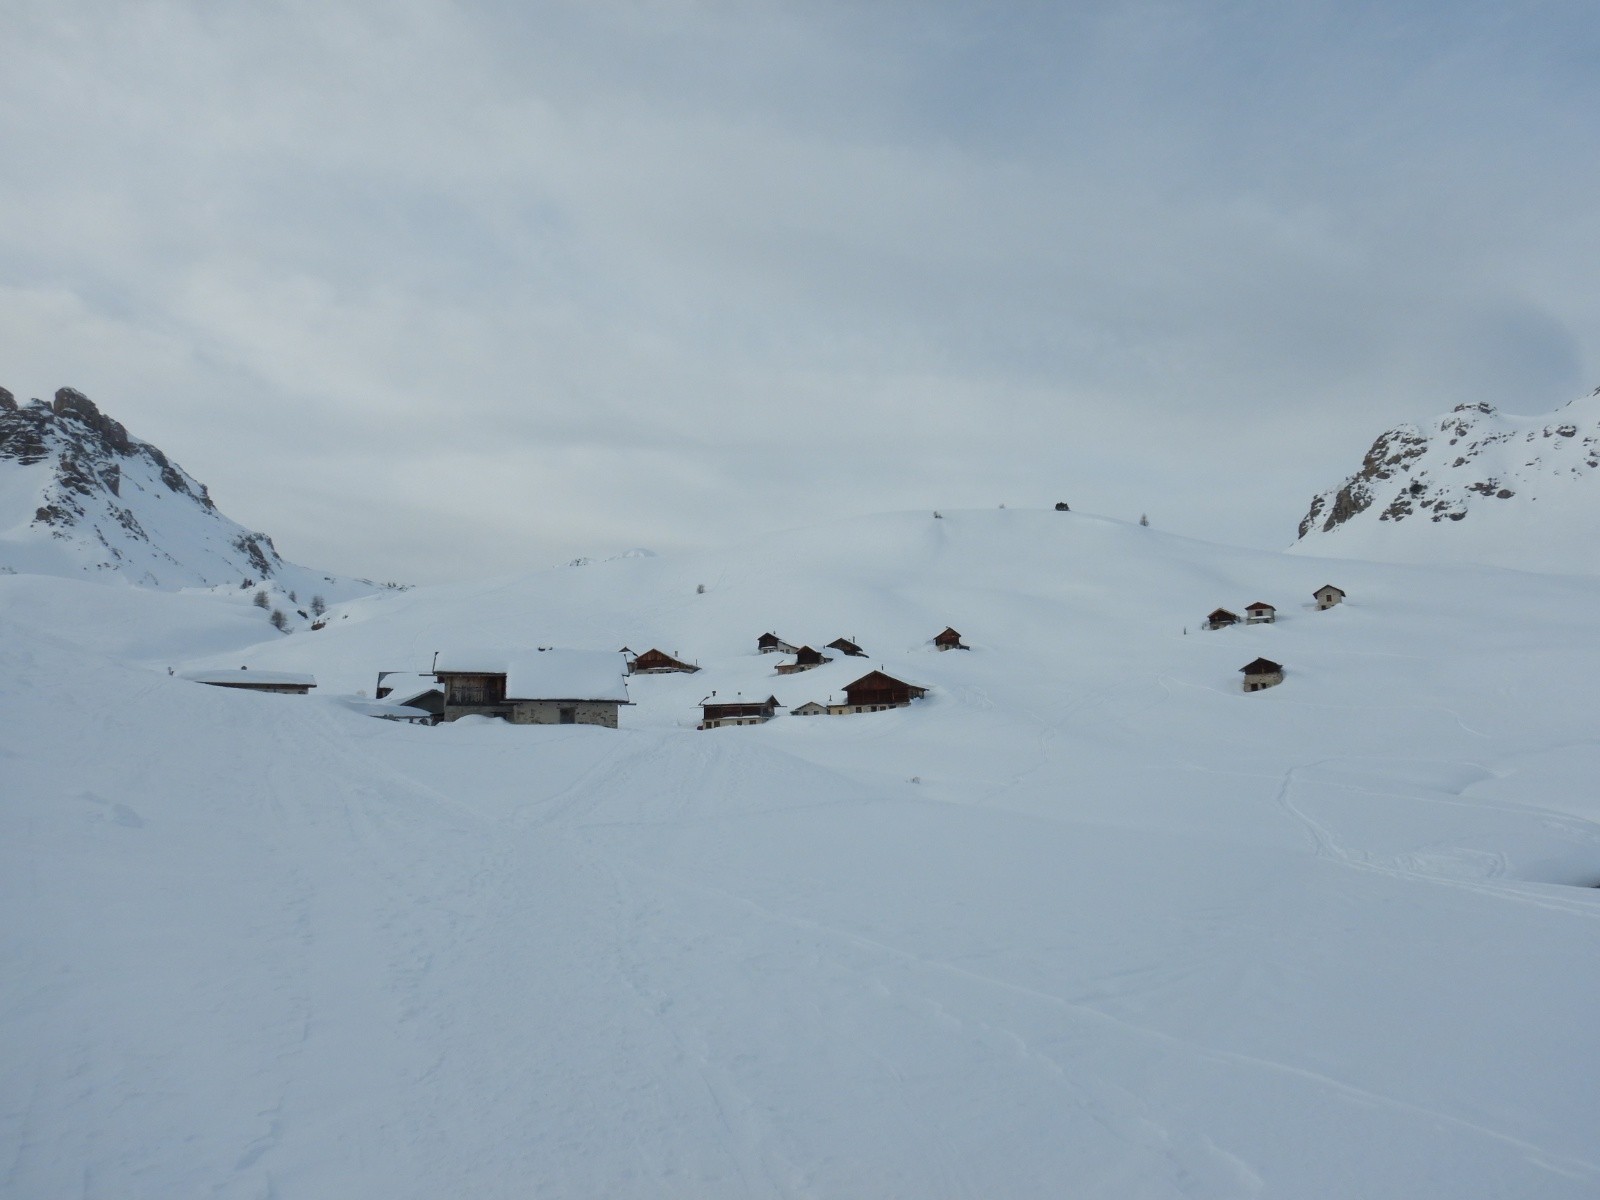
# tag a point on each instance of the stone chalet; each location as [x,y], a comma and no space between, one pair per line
[875,692]
[1327,596]
[657,662]
[805,659]
[1263,673]
[533,687]
[1221,618]
[771,643]
[714,714]
[282,682]
[950,640]
[1260,613]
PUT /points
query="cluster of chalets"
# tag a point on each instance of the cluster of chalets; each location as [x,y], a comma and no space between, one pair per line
[1263,672]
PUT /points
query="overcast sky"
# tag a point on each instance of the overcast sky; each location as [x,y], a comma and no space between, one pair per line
[430,289]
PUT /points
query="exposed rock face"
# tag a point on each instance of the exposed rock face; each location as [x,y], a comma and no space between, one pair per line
[1521,478]
[1439,474]
[108,502]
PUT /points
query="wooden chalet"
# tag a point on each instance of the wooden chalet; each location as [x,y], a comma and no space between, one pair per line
[1263,673]
[809,709]
[771,643]
[1260,613]
[875,692]
[1327,596]
[805,659]
[540,687]
[657,662]
[847,647]
[1221,618]
[283,683]
[714,714]
[950,640]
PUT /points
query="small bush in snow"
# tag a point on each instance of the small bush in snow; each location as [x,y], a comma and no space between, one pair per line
[318,606]
[259,600]
[279,621]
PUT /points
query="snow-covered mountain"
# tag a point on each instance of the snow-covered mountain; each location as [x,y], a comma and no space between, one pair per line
[81,498]
[1476,485]
[1089,920]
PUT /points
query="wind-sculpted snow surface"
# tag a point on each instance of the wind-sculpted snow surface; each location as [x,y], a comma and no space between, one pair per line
[1088,921]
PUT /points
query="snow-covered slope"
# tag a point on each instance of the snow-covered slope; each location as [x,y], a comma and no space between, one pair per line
[1088,921]
[81,498]
[1476,485]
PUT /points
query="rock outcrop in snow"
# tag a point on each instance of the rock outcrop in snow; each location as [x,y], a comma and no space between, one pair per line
[1476,485]
[79,495]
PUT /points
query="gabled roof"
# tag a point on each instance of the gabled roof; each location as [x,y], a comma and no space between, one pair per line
[1259,604]
[947,632]
[882,679]
[1261,666]
[544,674]
[1328,587]
[846,646]
[1221,612]
[654,655]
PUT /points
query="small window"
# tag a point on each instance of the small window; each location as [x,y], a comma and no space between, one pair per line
[569,716]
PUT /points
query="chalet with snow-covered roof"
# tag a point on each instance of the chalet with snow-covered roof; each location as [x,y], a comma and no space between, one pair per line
[805,659]
[847,647]
[809,709]
[714,713]
[950,640]
[533,687]
[875,692]
[283,683]
[1263,673]
[1327,596]
[1221,618]
[658,662]
[1260,613]
[771,643]
[410,690]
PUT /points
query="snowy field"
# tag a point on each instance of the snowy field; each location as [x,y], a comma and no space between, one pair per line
[1086,922]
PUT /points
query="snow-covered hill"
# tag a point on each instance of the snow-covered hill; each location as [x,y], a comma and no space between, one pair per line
[1088,921]
[1476,485]
[81,498]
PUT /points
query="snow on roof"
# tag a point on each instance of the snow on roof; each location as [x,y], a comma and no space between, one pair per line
[244,677]
[407,685]
[545,674]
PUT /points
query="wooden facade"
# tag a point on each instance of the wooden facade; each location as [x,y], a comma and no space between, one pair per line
[771,643]
[714,714]
[874,692]
[1221,618]
[1262,673]
[657,662]
[949,640]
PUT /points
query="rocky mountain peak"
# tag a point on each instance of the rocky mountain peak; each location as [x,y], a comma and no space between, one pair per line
[78,493]
[1478,468]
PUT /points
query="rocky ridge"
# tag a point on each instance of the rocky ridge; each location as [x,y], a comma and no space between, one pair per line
[1473,466]
[79,494]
